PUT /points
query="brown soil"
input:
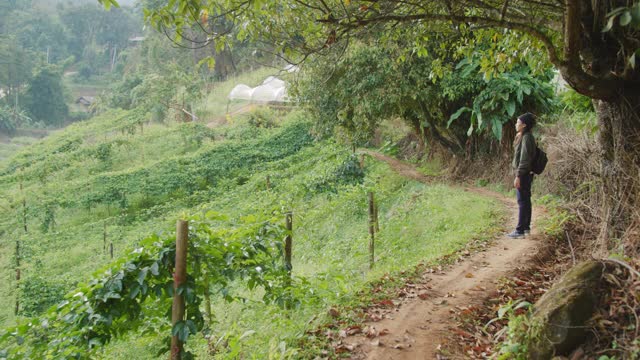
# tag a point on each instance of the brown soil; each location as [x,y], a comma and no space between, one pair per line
[422,324]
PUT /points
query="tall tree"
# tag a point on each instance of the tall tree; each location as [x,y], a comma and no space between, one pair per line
[44,98]
[16,65]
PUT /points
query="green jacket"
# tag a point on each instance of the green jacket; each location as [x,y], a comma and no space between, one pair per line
[524,154]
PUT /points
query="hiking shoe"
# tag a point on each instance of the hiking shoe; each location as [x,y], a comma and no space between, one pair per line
[527,232]
[516,234]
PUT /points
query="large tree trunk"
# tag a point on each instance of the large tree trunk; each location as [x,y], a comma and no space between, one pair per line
[619,139]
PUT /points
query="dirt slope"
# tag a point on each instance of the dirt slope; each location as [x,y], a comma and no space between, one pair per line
[417,328]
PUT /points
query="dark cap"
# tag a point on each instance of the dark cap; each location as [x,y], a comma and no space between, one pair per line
[528,119]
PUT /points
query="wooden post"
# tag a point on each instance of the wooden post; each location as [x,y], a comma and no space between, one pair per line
[361,161]
[17,308]
[207,300]
[111,249]
[268,182]
[180,277]
[371,230]
[104,238]
[377,220]
[288,242]
[24,222]
[24,207]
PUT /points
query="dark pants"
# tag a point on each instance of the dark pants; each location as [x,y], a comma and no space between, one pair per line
[524,203]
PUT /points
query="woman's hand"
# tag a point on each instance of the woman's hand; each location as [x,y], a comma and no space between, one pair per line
[516,183]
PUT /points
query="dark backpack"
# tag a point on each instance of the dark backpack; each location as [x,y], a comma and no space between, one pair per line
[539,162]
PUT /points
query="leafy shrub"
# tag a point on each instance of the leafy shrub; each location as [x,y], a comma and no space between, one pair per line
[39,294]
[193,134]
[347,173]
[247,251]
[104,152]
[576,102]
[503,96]
[10,120]
[586,122]
[75,116]
[350,172]
[262,117]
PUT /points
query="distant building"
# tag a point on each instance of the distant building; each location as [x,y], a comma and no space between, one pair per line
[85,100]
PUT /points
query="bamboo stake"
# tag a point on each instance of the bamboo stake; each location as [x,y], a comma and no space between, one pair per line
[377,220]
[371,230]
[24,207]
[180,277]
[104,238]
[17,308]
[207,300]
[288,242]
[24,222]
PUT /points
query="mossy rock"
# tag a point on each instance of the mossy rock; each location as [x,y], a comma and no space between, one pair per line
[559,317]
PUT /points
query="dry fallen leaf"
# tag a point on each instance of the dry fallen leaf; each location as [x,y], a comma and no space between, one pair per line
[352,330]
[370,332]
[334,312]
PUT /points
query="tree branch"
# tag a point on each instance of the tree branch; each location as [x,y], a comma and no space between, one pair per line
[529,29]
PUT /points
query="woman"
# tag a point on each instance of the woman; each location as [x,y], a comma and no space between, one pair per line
[525,152]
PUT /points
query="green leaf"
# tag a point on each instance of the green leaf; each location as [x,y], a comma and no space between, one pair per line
[625,19]
[154,269]
[457,114]
[503,310]
[181,330]
[135,290]
[496,126]
[511,107]
[522,304]
[142,275]
[609,24]
[192,326]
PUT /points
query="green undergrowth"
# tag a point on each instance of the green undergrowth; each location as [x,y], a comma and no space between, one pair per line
[72,196]
[418,223]
[120,173]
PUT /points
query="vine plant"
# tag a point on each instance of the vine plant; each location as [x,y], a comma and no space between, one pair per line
[134,293]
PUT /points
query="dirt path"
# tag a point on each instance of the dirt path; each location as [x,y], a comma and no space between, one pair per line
[417,328]
[223,119]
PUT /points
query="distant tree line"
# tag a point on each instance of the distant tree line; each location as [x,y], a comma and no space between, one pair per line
[39,41]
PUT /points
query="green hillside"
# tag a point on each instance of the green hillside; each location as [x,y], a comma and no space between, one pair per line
[118,179]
